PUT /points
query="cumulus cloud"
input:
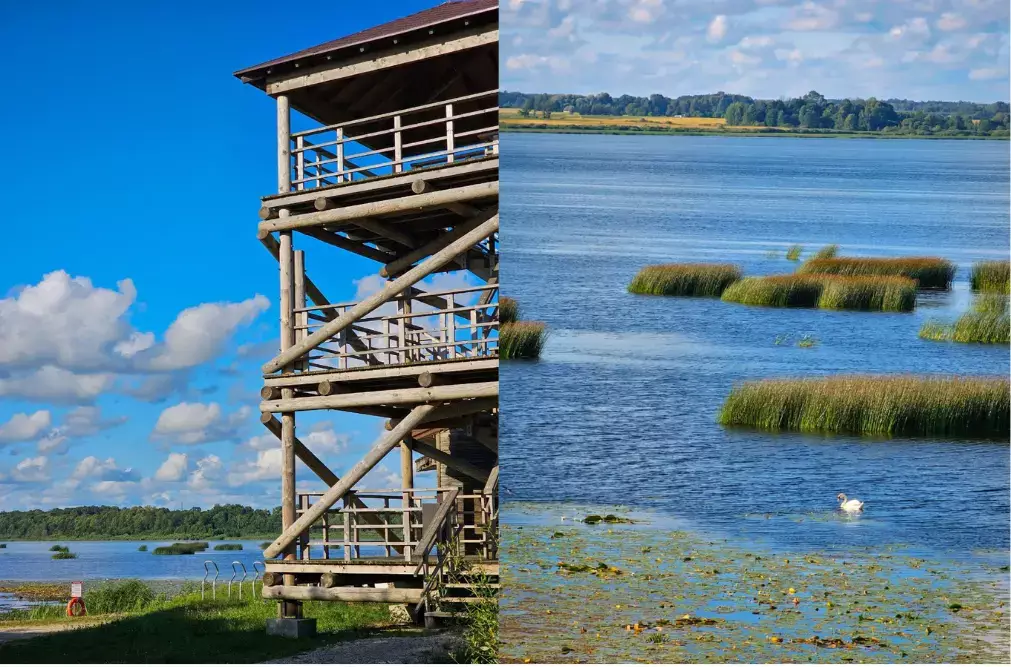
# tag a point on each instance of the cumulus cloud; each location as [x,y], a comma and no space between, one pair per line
[196,423]
[173,469]
[23,427]
[717,29]
[31,470]
[78,423]
[92,467]
[198,333]
[56,385]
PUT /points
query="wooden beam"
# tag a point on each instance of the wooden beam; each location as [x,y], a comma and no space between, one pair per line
[373,209]
[422,186]
[383,372]
[343,594]
[457,464]
[339,241]
[385,397]
[394,287]
[383,446]
[457,409]
[394,57]
[401,264]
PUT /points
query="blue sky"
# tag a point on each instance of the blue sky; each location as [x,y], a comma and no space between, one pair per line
[916,49]
[136,304]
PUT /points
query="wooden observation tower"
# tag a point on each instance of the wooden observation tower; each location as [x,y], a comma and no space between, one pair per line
[398,163]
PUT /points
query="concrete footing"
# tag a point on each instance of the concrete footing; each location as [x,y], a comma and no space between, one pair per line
[291,628]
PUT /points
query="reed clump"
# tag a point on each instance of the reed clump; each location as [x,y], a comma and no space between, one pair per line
[521,340]
[793,253]
[508,310]
[994,276]
[878,293]
[899,405]
[827,252]
[974,327]
[928,272]
[142,547]
[181,549]
[685,279]
[66,554]
[228,547]
[59,547]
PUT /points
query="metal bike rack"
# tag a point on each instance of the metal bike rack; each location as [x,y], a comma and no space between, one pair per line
[258,573]
[235,573]
[214,581]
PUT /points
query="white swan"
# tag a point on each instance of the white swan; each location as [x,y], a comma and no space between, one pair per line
[853,505]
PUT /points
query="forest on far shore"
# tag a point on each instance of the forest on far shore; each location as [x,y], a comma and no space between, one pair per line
[124,523]
[810,112]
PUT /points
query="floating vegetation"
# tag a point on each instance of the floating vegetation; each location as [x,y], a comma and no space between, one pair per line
[607,518]
[228,547]
[732,604]
[990,328]
[994,276]
[181,549]
[508,310]
[36,591]
[899,405]
[142,547]
[807,341]
[928,272]
[66,554]
[521,340]
[793,253]
[828,252]
[600,569]
[834,292]
[684,279]
[59,547]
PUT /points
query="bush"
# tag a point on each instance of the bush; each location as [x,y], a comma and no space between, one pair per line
[900,405]
[508,310]
[119,597]
[228,547]
[58,547]
[64,555]
[928,272]
[684,279]
[521,340]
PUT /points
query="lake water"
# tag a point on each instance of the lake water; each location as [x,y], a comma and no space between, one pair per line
[621,408]
[32,561]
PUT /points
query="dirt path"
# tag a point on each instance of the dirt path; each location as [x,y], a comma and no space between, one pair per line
[410,649]
[15,632]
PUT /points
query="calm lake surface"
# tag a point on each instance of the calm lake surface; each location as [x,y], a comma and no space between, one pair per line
[32,561]
[621,408]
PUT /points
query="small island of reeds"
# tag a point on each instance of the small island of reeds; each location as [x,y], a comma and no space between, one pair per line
[508,310]
[684,279]
[992,276]
[899,405]
[228,547]
[988,322]
[180,549]
[928,272]
[61,552]
[521,340]
[833,292]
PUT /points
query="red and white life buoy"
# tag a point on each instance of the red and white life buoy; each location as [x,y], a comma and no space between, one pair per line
[76,607]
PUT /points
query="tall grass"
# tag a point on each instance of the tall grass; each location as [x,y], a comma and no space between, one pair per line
[508,310]
[180,549]
[827,252]
[994,276]
[64,555]
[882,293]
[228,547]
[974,327]
[684,279]
[928,272]
[900,405]
[521,340]
[793,253]
[59,547]
[120,597]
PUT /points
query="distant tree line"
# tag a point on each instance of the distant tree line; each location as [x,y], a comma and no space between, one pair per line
[221,521]
[810,112]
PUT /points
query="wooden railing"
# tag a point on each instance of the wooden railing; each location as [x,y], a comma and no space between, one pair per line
[396,142]
[433,326]
[374,526]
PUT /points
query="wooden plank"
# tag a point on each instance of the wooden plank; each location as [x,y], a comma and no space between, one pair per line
[381,373]
[382,447]
[449,461]
[390,290]
[432,532]
[408,396]
[372,62]
[407,203]
[339,568]
[343,594]
[401,264]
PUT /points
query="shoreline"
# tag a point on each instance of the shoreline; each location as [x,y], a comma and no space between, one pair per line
[735,133]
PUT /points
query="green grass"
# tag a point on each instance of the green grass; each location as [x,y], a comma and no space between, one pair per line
[180,549]
[508,310]
[64,555]
[147,628]
[990,328]
[521,340]
[684,279]
[793,253]
[879,293]
[929,272]
[828,252]
[228,547]
[901,405]
[59,547]
[991,277]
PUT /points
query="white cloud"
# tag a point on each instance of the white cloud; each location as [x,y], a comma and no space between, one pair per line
[811,16]
[266,465]
[717,29]
[208,471]
[198,333]
[173,469]
[195,423]
[23,427]
[988,73]
[92,467]
[32,470]
[79,422]
[951,21]
[56,385]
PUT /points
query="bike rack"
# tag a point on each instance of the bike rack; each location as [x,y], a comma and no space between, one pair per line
[258,573]
[214,581]
[235,573]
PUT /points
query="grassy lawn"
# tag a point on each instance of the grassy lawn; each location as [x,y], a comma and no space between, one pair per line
[186,629]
